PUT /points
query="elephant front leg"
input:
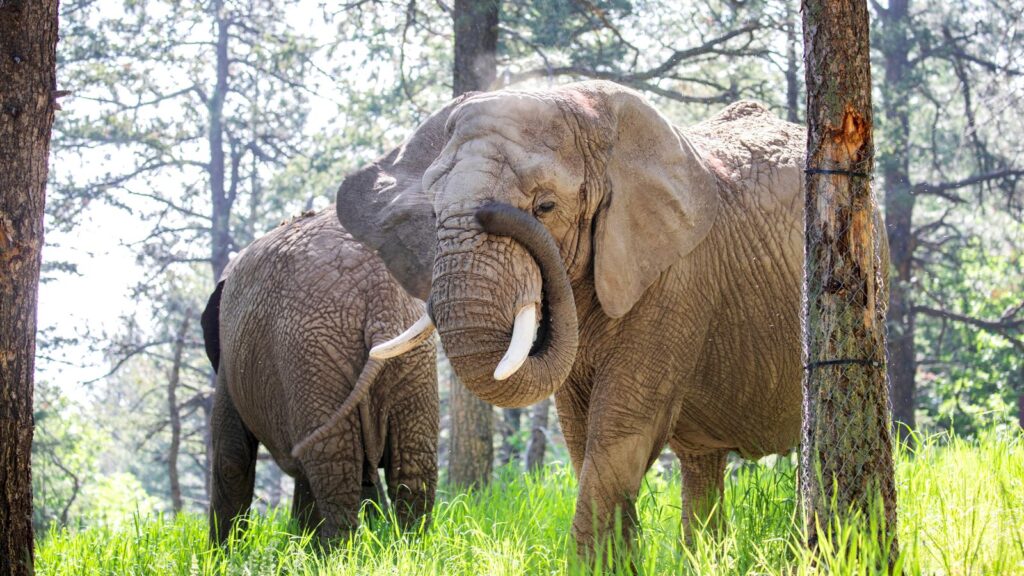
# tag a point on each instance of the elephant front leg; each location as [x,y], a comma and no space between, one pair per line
[572,402]
[703,490]
[622,443]
[411,458]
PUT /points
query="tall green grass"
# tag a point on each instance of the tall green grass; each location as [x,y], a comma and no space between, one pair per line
[961,508]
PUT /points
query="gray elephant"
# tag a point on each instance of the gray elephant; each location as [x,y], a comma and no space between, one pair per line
[288,330]
[573,241]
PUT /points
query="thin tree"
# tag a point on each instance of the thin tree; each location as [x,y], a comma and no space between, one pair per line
[174,412]
[476,44]
[28,91]
[537,445]
[847,454]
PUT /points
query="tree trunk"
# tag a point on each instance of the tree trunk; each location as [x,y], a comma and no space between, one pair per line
[476,45]
[475,67]
[899,211]
[512,422]
[538,435]
[472,446]
[174,414]
[28,83]
[847,454]
[220,240]
[792,70]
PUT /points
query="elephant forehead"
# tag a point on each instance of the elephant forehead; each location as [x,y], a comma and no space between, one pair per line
[522,117]
[498,168]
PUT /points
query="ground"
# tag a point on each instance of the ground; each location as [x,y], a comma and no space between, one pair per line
[961,511]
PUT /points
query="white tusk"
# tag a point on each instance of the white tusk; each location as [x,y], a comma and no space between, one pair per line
[411,338]
[523,333]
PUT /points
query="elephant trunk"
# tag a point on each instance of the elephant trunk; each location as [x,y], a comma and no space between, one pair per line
[475,321]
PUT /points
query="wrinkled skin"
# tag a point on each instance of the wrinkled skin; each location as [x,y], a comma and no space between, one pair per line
[299,311]
[666,264]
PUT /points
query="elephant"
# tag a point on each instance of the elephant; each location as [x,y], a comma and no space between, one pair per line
[288,329]
[574,241]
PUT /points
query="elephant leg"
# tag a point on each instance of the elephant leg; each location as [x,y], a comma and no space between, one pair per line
[334,468]
[370,495]
[410,460]
[703,490]
[572,402]
[304,508]
[234,465]
[625,434]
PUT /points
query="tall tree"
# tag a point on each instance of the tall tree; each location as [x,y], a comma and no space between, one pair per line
[28,92]
[899,209]
[537,444]
[174,412]
[476,43]
[847,455]
[937,149]
[203,102]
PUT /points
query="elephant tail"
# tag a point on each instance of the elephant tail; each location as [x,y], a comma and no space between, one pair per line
[210,321]
[359,393]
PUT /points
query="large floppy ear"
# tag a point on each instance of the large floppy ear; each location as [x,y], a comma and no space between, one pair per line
[382,205]
[663,202]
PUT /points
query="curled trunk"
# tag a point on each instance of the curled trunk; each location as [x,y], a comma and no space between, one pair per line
[476,327]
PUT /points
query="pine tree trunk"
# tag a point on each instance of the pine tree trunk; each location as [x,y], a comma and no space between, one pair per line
[538,435]
[470,461]
[476,43]
[220,240]
[847,454]
[174,415]
[512,422]
[899,212]
[28,82]
[792,71]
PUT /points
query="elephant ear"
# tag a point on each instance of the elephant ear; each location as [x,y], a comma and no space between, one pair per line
[382,205]
[663,202]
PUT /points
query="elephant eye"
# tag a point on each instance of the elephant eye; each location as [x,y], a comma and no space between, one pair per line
[544,207]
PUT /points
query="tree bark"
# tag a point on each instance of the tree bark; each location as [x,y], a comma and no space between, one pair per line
[538,435]
[476,43]
[471,458]
[220,231]
[899,211]
[512,423]
[792,70]
[28,84]
[174,414]
[847,454]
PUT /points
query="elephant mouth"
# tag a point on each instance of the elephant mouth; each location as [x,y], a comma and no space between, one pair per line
[543,338]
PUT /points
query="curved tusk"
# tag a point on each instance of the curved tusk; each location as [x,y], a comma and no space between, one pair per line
[523,333]
[411,338]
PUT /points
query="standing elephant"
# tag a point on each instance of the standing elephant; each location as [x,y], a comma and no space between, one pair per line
[288,330]
[573,241]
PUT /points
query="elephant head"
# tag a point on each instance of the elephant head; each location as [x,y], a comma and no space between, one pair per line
[525,196]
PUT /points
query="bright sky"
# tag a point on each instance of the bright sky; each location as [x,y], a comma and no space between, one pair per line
[96,300]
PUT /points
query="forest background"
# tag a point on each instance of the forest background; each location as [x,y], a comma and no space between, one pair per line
[193,128]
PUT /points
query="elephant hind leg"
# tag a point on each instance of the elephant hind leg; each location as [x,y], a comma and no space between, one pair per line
[703,490]
[234,466]
[304,508]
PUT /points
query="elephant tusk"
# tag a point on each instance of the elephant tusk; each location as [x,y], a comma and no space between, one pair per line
[411,338]
[523,333]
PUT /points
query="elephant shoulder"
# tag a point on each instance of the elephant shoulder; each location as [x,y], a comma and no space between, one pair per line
[754,152]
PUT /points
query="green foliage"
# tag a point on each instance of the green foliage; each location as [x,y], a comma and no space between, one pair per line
[971,377]
[64,457]
[960,504]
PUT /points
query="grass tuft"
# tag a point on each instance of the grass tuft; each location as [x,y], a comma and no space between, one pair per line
[961,511]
